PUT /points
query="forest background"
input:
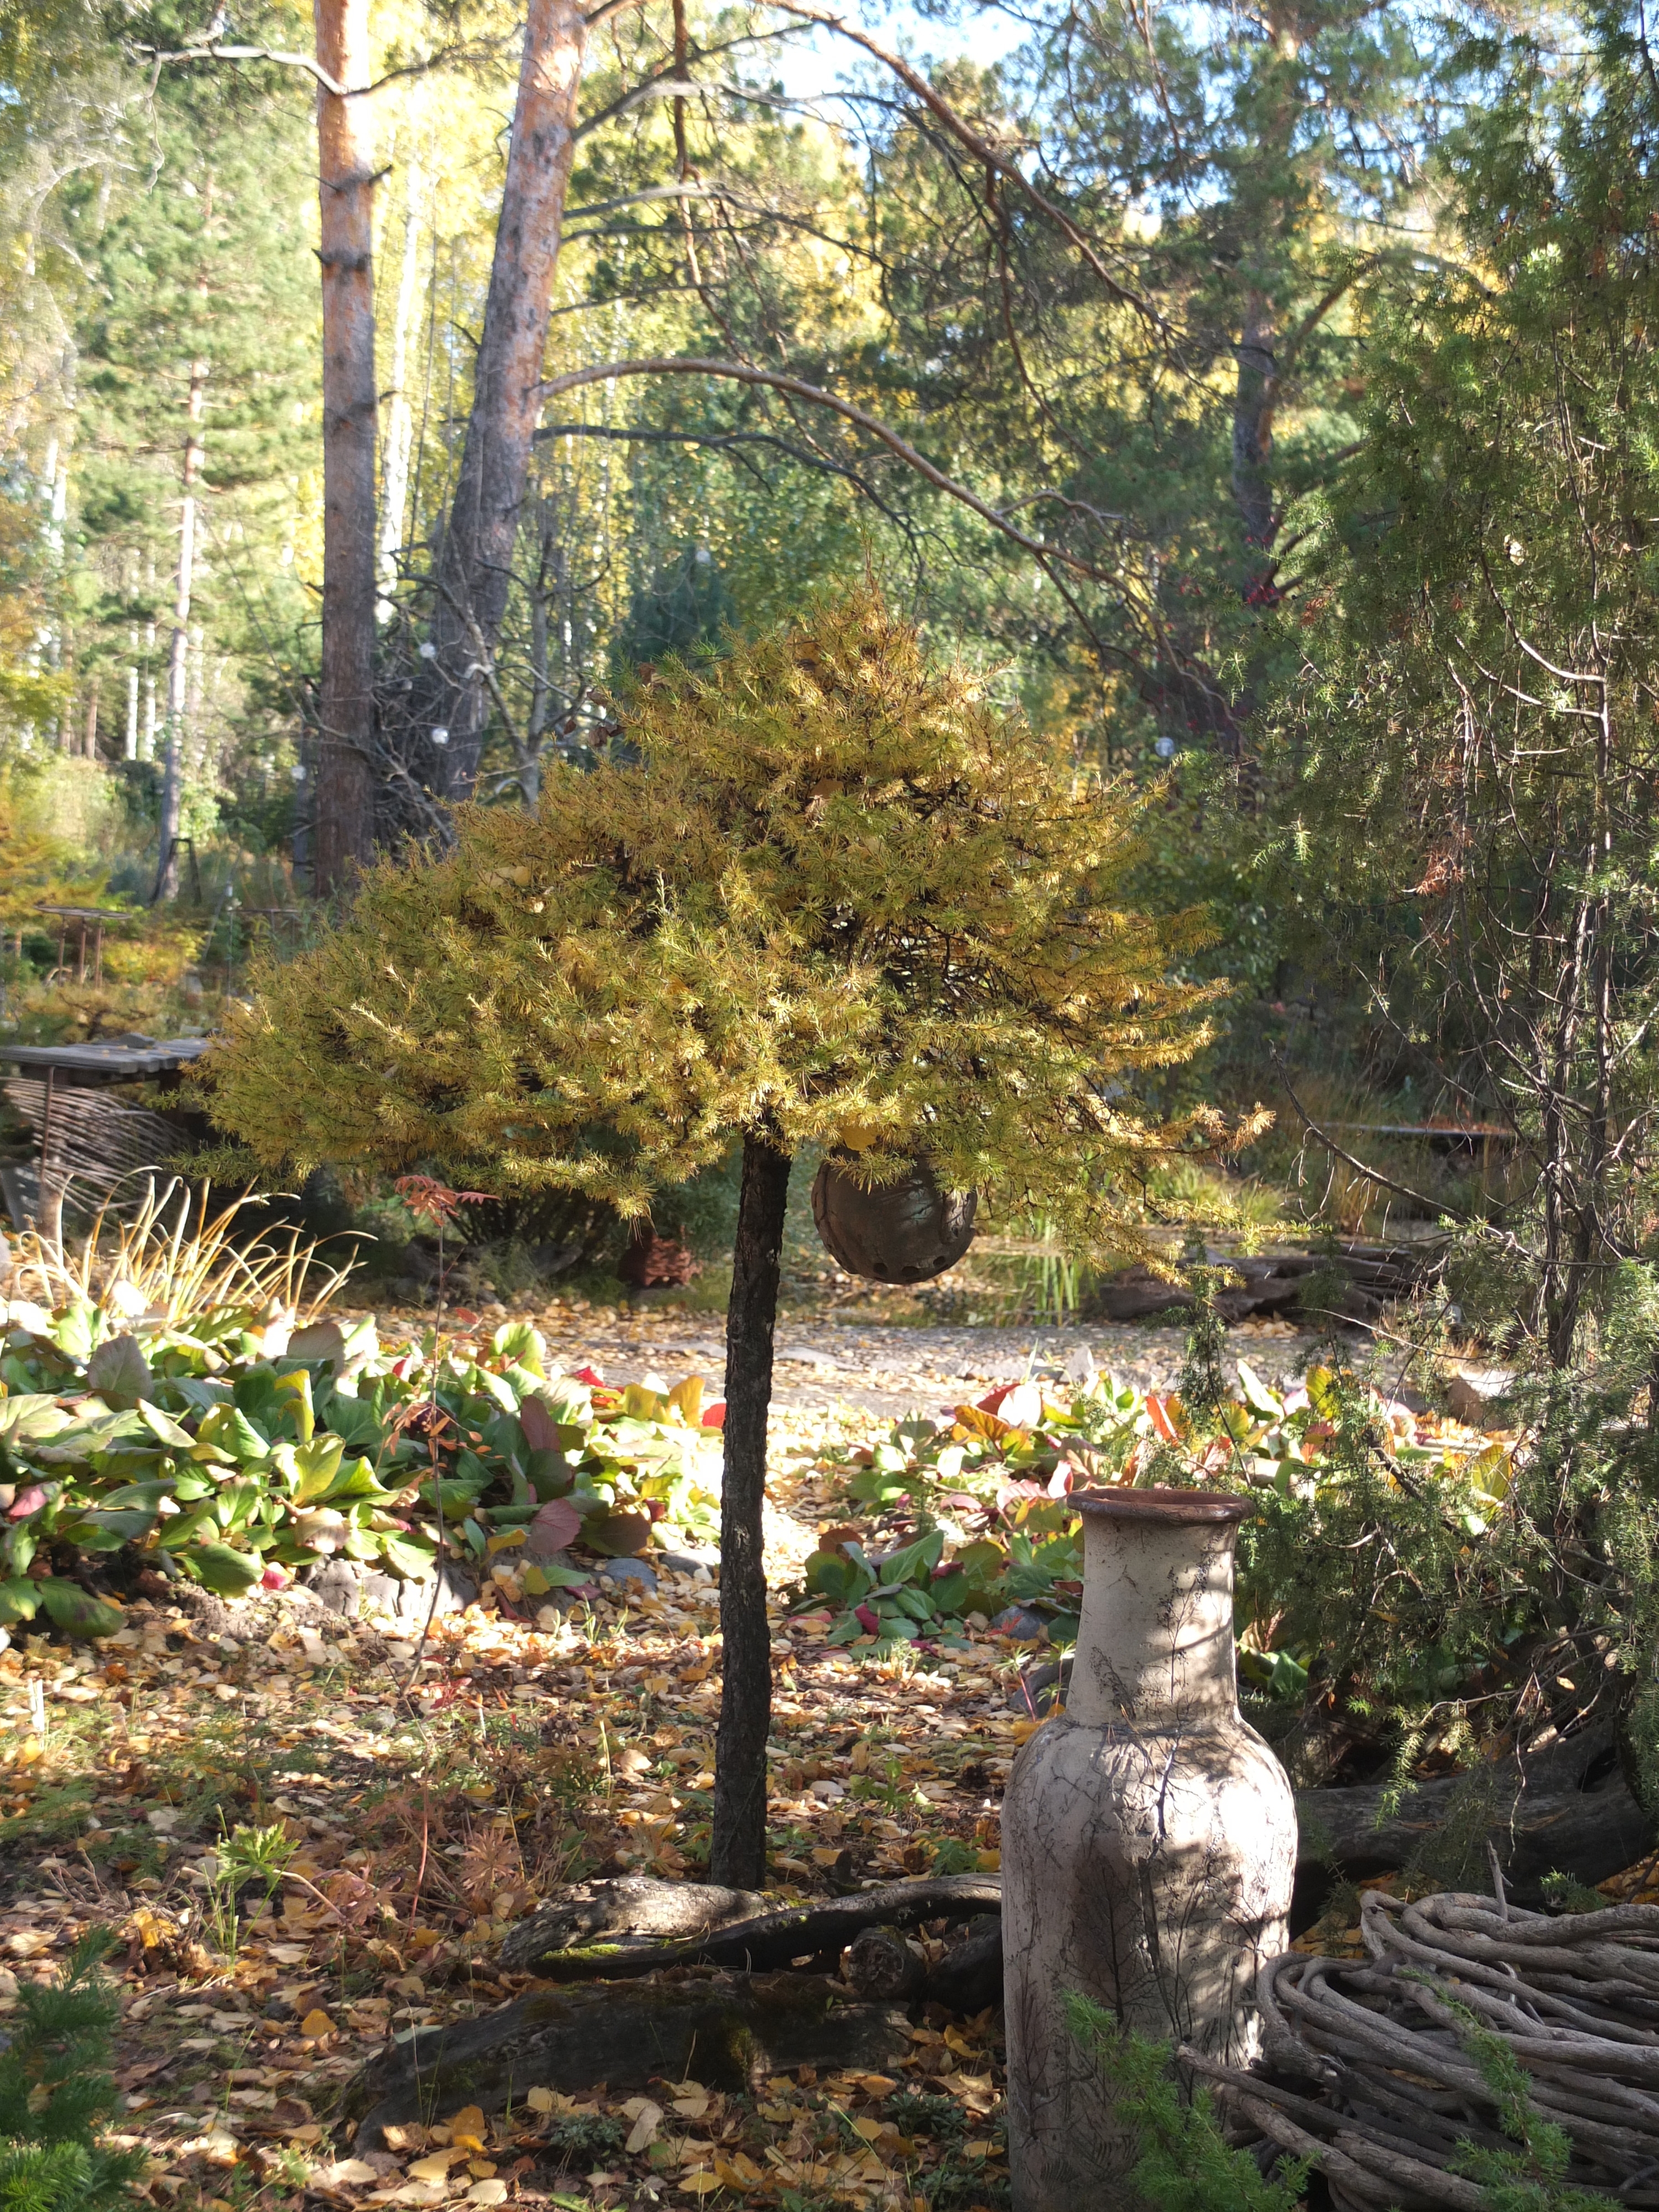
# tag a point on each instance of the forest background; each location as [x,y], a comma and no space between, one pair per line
[1108,358]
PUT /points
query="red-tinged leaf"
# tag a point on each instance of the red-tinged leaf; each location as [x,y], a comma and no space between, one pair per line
[1060,1481]
[558,1524]
[541,1431]
[713,1416]
[866,1620]
[26,1502]
[463,1319]
[588,1375]
[1159,1412]
[993,1399]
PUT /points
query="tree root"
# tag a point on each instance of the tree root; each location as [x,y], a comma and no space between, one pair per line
[541,1945]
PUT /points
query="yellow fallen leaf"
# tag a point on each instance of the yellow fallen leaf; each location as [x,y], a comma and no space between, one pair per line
[540,2100]
[435,2166]
[346,2170]
[692,2107]
[643,2133]
[468,2122]
[701,2184]
[487,2192]
[317,2024]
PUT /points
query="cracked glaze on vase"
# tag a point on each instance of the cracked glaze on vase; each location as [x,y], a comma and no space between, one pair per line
[1148,1841]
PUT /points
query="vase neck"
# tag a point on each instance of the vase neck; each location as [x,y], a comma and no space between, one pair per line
[1155,1641]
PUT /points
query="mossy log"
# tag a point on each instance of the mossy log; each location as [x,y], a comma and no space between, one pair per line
[543,1944]
[731,2030]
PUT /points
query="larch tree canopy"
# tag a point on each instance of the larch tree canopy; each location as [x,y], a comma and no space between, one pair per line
[834,900]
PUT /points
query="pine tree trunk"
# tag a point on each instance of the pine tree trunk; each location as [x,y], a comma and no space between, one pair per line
[474,559]
[400,418]
[345,789]
[738,1851]
[173,758]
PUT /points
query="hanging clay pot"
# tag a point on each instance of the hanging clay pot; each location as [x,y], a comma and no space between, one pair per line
[1148,1842]
[900,1232]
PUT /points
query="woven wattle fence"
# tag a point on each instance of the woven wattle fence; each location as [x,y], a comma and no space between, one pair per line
[1366,2067]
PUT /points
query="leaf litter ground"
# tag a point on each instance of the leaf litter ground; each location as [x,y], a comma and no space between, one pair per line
[422,1825]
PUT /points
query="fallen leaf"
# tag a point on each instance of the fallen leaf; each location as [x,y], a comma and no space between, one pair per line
[317,2024]
[487,2192]
[348,2170]
[435,2166]
[647,2121]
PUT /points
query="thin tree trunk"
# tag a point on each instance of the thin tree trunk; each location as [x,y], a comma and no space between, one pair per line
[474,559]
[173,757]
[737,1855]
[345,789]
[400,419]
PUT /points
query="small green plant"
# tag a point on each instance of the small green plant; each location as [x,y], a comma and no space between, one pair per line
[584,2135]
[1531,2178]
[55,2091]
[1186,2164]
[914,2112]
[247,1855]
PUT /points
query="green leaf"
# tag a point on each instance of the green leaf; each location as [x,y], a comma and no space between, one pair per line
[523,1343]
[19,1600]
[311,1469]
[226,1572]
[119,1372]
[76,1611]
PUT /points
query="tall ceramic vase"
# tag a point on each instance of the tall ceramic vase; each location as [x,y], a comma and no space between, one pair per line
[1148,1841]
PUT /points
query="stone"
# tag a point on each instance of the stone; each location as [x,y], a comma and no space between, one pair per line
[1149,1843]
[629,1574]
[1021,1623]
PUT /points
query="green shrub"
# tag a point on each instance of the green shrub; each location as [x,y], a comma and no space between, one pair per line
[55,2091]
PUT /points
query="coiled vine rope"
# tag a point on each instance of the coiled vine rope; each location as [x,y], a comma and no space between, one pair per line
[1366,2066]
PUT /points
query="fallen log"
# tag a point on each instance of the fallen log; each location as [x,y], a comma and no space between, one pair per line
[1558,1811]
[628,1912]
[540,1944]
[737,2029]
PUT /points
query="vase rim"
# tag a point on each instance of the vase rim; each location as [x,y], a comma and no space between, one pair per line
[1172,1507]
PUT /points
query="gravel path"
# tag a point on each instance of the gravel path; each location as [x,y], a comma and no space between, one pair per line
[823,1362]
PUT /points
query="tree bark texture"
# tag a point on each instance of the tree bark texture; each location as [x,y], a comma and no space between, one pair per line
[173,757]
[737,1850]
[344,789]
[400,418]
[475,560]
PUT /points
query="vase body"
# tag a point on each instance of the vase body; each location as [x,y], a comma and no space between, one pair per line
[1148,1842]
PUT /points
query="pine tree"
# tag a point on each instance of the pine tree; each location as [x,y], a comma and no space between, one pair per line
[830,898]
[195,346]
[56,2089]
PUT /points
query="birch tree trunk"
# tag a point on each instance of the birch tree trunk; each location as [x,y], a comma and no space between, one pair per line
[172,756]
[475,560]
[344,789]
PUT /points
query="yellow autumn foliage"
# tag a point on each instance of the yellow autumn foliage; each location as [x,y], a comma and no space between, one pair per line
[832,896]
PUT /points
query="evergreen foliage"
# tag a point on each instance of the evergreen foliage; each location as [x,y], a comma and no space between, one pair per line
[1473,747]
[836,896]
[1186,2163]
[56,2090]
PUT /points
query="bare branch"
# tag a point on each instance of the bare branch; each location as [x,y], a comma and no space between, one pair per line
[795,387]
